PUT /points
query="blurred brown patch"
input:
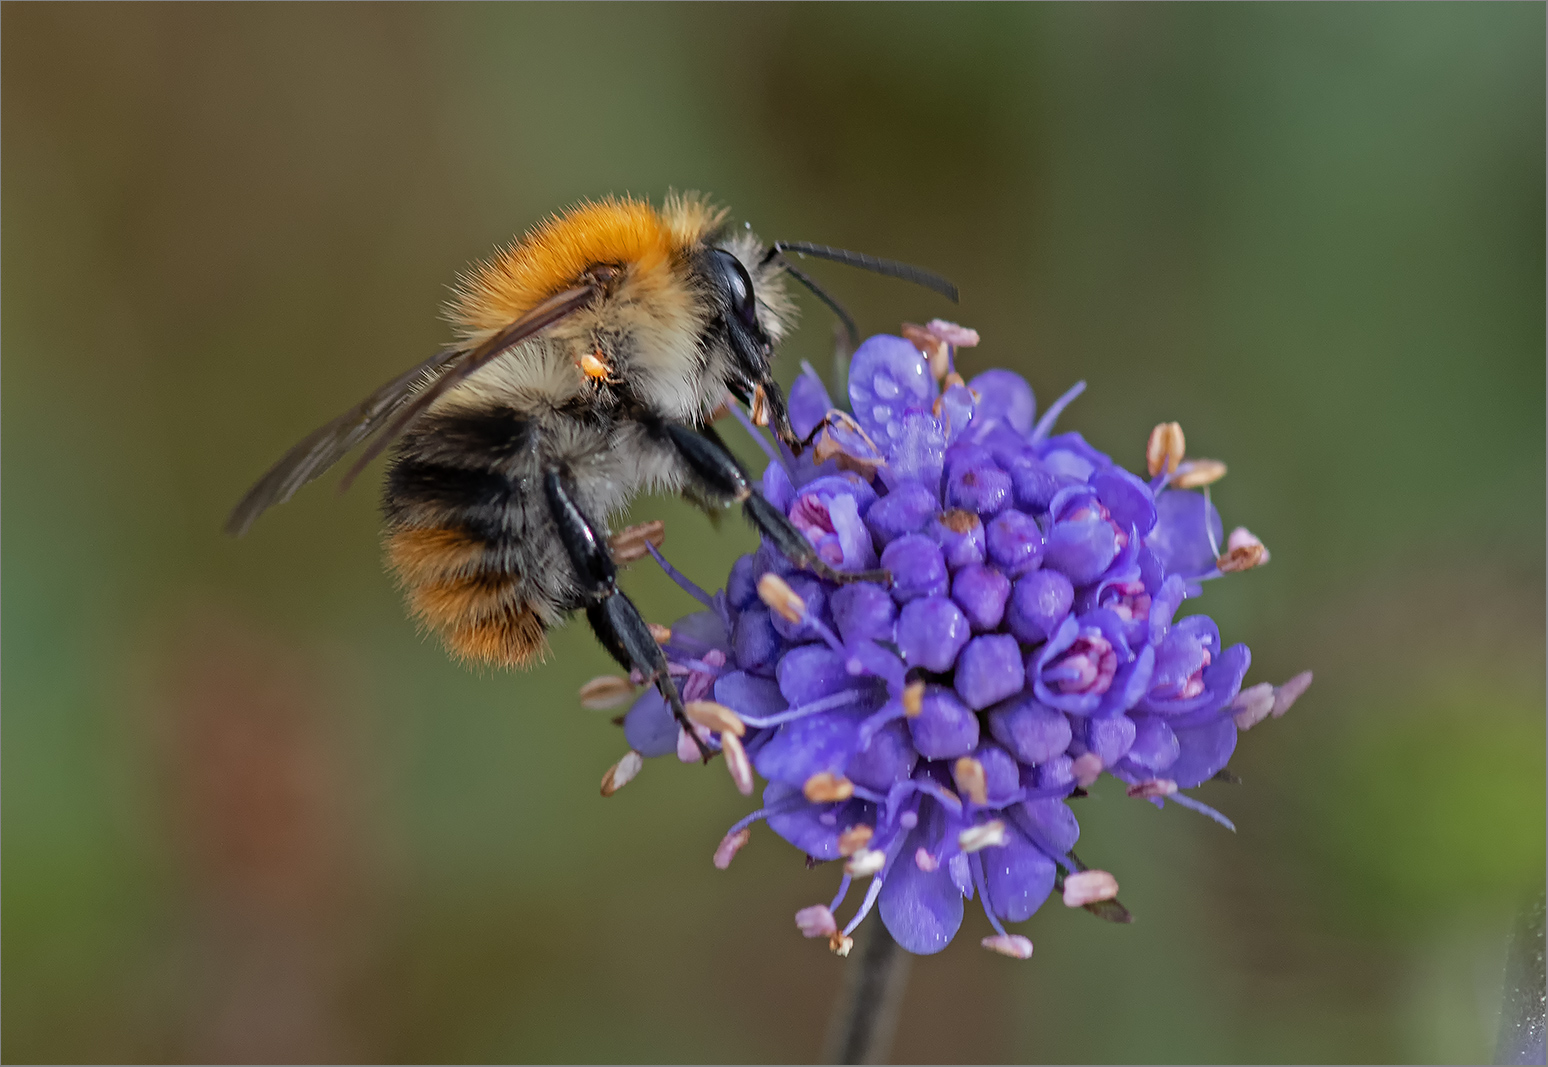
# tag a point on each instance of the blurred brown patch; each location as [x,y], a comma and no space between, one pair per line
[262,806]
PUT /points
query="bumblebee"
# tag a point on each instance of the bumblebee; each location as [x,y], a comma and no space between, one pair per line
[591,356]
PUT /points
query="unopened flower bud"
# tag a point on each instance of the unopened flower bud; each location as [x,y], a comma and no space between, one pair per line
[622,773]
[716,717]
[816,921]
[606,691]
[629,544]
[1089,887]
[781,599]
[729,846]
[1164,450]
[971,782]
[825,787]
[854,839]
[1243,552]
[982,836]
[1290,692]
[1197,473]
[1151,788]
[1013,945]
[1252,705]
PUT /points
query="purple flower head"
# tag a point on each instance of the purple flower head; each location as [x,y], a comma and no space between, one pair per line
[929,732]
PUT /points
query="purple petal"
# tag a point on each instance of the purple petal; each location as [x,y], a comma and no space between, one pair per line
[945,728]
[1110,738]
[1018,876]
[917,566]
[905,510]
[922,909]
[1002,777]
[1049,823]
[811,672]
[1031,730]
[1081,550]
[748,694]
[888,759]
[989,669]
[917,449]
[1126,498]
[1003,394]
[863,611]
[777,486]
[887,376]
[1155,746]
[1015,543]
[742,585]
[982,488]
[649,727]
[822,742]
[981,593]
[807,402]
[754,641]
[1202,752]
[961,537]
[1039,604]
[931,631]
[1179,539]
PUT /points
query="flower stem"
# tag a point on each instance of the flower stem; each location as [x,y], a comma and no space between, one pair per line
[1521,1016]
[865,1019]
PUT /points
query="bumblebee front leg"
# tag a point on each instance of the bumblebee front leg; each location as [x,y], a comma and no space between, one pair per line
[706,454]
[613,616]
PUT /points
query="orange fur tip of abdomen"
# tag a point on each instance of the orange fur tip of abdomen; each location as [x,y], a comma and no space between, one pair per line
[421,555]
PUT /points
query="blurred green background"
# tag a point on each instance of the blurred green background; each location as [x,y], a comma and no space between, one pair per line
[249,814]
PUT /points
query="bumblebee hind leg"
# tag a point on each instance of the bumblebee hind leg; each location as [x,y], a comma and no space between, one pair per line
[613,616]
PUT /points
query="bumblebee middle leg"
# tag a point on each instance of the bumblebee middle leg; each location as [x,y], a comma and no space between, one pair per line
[706,454]
[613,616]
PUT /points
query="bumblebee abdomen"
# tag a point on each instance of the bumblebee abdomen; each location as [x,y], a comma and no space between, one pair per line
[467,539]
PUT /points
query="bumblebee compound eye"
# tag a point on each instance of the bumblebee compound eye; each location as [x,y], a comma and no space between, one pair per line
[735,286]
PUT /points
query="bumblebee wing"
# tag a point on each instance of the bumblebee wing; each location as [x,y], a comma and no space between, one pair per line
[328,444]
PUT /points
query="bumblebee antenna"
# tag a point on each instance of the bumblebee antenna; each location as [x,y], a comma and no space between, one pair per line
[891,268]
[850,328]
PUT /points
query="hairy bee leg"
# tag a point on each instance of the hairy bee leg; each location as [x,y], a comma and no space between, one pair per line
[707,455]
[613,616]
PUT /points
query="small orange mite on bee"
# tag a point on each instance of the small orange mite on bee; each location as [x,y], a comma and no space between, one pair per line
[591,355]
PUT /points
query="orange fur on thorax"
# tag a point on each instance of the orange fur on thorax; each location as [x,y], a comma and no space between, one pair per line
[552,256]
